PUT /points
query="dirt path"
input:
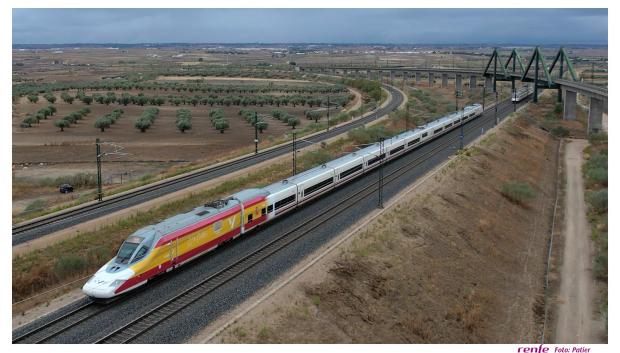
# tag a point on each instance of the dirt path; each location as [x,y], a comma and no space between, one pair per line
[575,312]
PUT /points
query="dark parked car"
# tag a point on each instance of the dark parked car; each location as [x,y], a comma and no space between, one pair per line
[66,188]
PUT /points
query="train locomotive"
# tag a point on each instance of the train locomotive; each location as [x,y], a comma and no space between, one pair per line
[159,248]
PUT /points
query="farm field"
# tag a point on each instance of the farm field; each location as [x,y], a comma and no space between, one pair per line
[45,151]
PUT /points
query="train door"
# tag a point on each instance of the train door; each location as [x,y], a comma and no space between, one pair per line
[173,252]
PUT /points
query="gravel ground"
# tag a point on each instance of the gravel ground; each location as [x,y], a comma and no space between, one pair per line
[188,322]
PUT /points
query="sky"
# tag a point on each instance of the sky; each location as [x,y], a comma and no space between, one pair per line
[357,26]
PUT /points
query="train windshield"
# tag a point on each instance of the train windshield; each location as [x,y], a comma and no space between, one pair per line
[127,249]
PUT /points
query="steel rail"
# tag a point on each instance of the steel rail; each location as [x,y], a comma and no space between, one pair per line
[151,192]
[135,328]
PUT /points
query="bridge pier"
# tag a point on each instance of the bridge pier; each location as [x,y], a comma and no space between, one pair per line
[444,80]
[431,79]
[404,78]
[570,103]
[391,76]
[418,78]
[458,82]
[472,82]
[595,117]
[488,83]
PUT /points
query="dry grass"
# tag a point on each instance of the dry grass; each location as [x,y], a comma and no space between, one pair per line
[456,264]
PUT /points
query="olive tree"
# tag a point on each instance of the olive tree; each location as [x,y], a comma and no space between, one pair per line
[62,124]
[50,97]
[221,125]
[103,123]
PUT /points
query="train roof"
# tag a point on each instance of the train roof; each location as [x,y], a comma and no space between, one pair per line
[196,215]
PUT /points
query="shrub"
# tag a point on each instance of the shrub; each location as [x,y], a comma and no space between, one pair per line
[36,205]
[598,200]
[560,131]
[518,191]
[600,266]
[69,265]
[599,137]
[597,161]
[596,176]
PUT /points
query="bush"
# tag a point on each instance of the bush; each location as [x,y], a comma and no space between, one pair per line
[600,266]
[518,191]
[36,205]
[599,137]
[596,176]
[598,200]
[560,131]
[597,161]
[69,265]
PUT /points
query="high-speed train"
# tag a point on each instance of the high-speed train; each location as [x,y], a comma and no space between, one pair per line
[159,248]
[522,92]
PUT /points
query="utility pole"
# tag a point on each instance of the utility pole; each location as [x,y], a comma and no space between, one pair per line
[328,112]
[458,94]
[99,190]
[496,103]
[294,154]
[407,118]
[255,133]
[382,158]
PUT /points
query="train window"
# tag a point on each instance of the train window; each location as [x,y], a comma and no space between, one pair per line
[250,217]
[269,208]
[376,159]
[285,201]
[413,142]
[437,131]
[447,126]
[140,254]
[350,171]
[318,186]
[424,134]
[263,211]
[217,226]
[127,249]
[397,149]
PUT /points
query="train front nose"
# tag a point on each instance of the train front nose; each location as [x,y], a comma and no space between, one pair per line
[98,287]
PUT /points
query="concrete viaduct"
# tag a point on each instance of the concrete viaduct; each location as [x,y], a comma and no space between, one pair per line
[568,88]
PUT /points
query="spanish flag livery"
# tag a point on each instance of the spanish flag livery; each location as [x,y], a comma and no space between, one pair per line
[159,248]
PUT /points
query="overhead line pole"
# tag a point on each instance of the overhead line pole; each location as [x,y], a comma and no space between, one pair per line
[382,158]
[255,133]
[99,188]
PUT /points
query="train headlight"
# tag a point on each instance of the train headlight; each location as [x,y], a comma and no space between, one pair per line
[117,283]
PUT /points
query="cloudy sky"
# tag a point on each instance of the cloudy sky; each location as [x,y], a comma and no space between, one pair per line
[412,26]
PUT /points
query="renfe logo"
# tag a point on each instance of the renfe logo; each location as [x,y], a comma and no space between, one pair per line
[534,349]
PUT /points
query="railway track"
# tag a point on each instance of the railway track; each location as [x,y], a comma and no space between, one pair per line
[53,328]
[142,324]
[135,328]
[35,229]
